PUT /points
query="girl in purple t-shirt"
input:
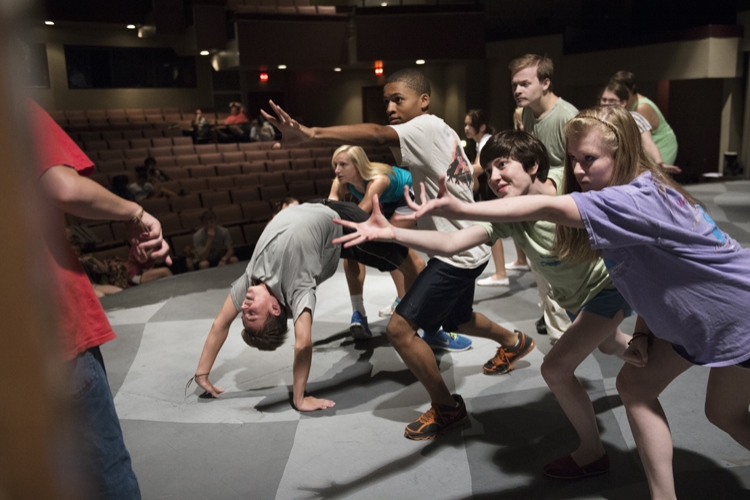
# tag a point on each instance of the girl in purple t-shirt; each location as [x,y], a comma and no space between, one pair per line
[688,281]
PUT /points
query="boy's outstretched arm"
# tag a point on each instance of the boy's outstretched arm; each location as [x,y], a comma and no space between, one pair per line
[558,209]
[378,228]
[215,340]
[362,134]
[302,362]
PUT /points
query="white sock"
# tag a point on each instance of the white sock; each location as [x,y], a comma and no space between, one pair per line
[358,304]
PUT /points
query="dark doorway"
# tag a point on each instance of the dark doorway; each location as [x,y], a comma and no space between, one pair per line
[373,107]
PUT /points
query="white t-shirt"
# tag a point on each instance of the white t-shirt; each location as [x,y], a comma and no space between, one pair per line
[429,148]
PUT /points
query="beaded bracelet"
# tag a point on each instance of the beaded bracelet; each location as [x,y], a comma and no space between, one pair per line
[138,219]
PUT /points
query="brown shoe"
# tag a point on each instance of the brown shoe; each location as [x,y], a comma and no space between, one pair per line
[504,359]
[438,420]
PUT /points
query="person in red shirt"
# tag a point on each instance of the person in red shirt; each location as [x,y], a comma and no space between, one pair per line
[82,323]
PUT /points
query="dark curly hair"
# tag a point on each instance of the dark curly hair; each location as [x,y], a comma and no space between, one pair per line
[271,335]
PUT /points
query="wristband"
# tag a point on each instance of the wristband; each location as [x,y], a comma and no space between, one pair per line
[193,377]
[642,334]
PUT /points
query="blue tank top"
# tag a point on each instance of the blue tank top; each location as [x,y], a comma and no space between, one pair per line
[395,191]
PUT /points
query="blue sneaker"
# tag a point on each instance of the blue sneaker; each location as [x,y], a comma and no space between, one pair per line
[359,327]
[446,341]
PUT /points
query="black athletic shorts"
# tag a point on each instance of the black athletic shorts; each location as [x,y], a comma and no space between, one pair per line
[383,256]
[442,295]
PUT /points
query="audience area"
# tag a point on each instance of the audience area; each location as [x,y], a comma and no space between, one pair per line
[240,182]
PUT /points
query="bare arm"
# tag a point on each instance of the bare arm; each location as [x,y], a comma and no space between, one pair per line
[302,362]
[558,209]
[649,114]
[431,242]
[363,134]
[335,188]
[84,198]
[228,254]
[377,186]
[652,151]
[215,340]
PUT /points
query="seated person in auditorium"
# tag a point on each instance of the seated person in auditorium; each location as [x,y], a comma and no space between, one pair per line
[293,256]
[213,243]
[141,188]
[237,125]
[119,186]
[201,128]
[266,132]
[156,177]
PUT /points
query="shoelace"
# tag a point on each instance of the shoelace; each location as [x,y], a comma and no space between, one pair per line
[454,336]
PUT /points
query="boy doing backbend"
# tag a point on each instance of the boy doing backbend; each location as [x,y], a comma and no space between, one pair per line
[293,256]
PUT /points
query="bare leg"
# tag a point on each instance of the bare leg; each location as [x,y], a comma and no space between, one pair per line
[558,369]
[498,257]
[481,326]
[639,390]
[155,274]
[398,280]
[520,256]
[727,399]
[355,276]
[410,269]
[419,358]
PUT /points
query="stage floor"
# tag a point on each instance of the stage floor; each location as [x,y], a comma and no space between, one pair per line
[250,443]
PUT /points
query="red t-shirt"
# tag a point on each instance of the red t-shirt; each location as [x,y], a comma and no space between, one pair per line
[236,119]
[82,323]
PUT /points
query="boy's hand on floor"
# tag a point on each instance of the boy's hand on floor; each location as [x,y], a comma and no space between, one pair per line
[311,404]
[206,385]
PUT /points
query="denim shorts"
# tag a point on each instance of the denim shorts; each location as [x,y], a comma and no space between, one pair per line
[606,303]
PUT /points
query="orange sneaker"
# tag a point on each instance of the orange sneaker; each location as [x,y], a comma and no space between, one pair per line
[438,420]
[504,359]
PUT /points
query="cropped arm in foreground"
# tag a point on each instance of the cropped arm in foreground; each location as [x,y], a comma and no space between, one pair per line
[82,197]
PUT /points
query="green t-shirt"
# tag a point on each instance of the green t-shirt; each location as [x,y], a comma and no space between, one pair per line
[573,285]
[549,129]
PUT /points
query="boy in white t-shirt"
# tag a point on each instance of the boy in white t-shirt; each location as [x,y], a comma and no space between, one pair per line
[444,292]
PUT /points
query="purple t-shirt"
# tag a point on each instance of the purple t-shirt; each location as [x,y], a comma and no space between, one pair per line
[689,280]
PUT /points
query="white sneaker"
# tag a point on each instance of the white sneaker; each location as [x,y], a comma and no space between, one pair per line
[387,311]
[488,281]
[517,267]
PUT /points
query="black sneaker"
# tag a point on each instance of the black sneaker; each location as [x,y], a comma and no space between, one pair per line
[541,326]
[438,420]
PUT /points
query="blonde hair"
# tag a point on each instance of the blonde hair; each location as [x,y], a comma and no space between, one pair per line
[367,169]
[623,142]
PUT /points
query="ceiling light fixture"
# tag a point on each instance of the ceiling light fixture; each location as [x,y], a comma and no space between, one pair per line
[204,52]
[420,61]
[49,23]
[282,66]
[337,70]
[130,26]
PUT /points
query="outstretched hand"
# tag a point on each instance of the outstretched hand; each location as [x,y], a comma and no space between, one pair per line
[444,205]
[376,227]
[291,130]
[637,352]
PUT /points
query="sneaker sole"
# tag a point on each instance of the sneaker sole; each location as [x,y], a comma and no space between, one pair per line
[359,333]
[385,315]
[511,365]
[465,424]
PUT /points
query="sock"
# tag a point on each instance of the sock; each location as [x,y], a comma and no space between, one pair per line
[358,304]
